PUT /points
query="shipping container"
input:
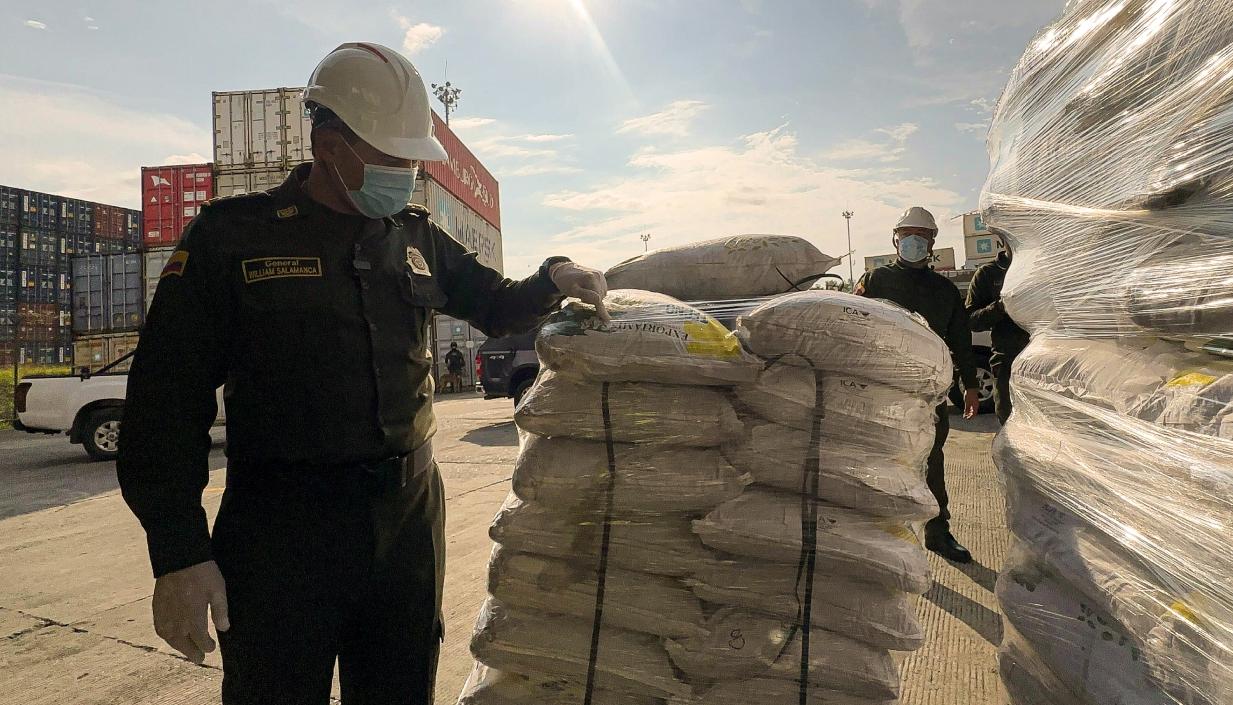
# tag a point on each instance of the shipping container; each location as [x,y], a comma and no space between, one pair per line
[464,176]
[464,224]
[97,351]
[38,314]
[116,224]
[448,330]
[107,293]
[40,210]
[170,197]
[983,248]
[236,183]
[10,204]
[76,216]
[40,285]
[153,265]
[41,248]
[261,130]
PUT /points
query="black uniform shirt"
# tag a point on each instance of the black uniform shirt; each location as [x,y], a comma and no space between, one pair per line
[317,324]
[933,296]
[985,308]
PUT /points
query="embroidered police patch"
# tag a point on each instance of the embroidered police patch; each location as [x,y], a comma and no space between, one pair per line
[256,270]
[416,262]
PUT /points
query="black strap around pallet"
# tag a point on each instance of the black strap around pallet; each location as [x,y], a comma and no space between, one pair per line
[807,562]
[602,571]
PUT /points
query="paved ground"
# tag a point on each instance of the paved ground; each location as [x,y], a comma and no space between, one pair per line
[75,585]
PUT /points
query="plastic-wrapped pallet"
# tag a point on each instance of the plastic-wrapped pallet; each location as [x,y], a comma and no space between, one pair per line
[1111,150]
[638,562]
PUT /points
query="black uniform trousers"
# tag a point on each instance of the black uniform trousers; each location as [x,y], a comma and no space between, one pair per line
[329,565]
[1001,392]
[935,476]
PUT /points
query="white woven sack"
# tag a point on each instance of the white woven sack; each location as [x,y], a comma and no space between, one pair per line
[735,267]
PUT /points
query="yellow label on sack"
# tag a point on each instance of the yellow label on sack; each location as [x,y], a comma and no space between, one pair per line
[1192,379]
[711,340]
[1182,610]
[902,532]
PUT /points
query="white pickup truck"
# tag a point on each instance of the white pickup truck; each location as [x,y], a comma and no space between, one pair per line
[87,406]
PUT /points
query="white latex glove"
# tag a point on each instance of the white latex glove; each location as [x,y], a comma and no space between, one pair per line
[579,282]
[180,604]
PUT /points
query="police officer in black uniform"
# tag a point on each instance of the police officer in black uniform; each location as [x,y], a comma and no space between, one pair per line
[987,312]
[911,283]
[311,304]
[454,363]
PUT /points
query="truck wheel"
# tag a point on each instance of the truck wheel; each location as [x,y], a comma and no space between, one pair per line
[102,434]
[521,390]
[985,383]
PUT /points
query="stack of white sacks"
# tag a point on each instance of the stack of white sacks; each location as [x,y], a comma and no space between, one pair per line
[697,537]
[1111,177]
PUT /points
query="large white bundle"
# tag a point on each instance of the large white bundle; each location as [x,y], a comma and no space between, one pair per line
[767,525]
[660,414]
[738,267]
[659,545]
[527,642]
[873,614]
[1025,680]
[488,686]
[851,472]
[773,690]
[635,601]
[745,645]
[651,338]
[882,418]
[569,474]
[1086,648]
[837,332]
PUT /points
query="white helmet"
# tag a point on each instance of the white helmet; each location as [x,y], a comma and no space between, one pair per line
[917,217]
[377,93]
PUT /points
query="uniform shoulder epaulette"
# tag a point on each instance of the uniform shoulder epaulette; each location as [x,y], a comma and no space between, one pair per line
[236,199]
[416,210]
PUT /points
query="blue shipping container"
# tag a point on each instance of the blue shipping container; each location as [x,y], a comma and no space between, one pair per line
[107,293]
[10,204]
[77,216]
[40,210]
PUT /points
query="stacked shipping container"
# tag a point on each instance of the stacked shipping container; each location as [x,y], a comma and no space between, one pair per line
[170,197]
[40,233]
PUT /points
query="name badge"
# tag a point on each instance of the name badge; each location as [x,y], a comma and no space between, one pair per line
[261,269]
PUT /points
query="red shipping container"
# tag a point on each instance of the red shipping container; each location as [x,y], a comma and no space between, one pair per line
[110,222]
[463,176]
[170,197]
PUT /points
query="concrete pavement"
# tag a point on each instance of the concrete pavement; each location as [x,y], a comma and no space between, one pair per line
[75,584]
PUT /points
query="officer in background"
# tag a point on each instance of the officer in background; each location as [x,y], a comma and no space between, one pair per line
[987,312]
[911,283]
[454,364]
[311,302]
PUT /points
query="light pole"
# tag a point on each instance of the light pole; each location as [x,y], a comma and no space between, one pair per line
[847,215]
[448,95]
[646,238]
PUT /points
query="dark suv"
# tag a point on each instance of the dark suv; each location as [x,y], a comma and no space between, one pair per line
[507,366]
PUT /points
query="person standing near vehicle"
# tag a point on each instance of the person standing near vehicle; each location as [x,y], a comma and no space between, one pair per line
[311,302]
[987,312]
[911,283]
[454,362]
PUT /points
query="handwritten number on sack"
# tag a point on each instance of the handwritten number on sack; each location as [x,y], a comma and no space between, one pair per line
[737,640]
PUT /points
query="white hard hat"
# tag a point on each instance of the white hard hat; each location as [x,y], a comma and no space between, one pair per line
[377,93]
[917,217]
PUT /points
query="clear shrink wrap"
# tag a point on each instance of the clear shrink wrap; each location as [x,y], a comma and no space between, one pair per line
[667,542]
[1111,152]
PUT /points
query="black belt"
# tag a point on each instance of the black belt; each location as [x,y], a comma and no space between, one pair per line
[381,475]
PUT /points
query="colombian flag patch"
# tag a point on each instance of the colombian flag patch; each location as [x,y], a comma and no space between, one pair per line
[175,264]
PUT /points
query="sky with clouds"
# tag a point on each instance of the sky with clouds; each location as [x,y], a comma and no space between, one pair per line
[602,119]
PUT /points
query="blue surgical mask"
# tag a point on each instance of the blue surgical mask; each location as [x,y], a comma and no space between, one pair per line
[386,189]
[913,248]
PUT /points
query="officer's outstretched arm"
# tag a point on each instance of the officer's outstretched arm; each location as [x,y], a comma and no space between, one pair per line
[163,464]
[479,295]
[959,340]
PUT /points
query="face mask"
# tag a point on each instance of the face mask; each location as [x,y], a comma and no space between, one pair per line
[386,189]
[913,248]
